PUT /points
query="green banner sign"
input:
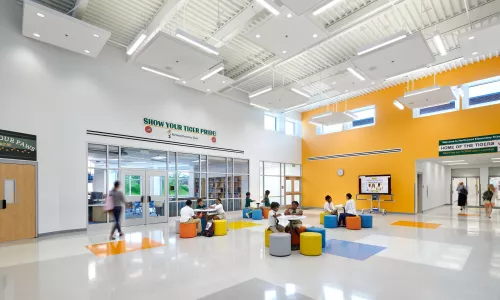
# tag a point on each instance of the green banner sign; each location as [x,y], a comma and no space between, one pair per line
[470,145]
[15,145]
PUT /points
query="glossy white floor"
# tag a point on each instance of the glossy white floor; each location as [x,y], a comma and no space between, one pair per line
[458,260]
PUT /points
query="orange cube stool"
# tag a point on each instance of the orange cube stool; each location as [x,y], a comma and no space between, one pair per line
[295,236]
[265,212]
[187,230]
[353,223]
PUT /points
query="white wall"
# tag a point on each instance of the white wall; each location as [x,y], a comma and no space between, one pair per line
[58,95]
[436,191]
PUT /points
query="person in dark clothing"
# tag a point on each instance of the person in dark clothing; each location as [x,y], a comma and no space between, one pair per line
[462,195]
[118,199]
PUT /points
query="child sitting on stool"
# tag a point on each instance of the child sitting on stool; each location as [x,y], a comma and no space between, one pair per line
[273,218]
[329,208]
[350,210]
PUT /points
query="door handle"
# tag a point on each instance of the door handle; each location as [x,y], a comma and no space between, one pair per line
[142,199]
[3,204]
[149,199]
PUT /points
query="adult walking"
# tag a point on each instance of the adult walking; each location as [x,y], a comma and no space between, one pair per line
[116,199]
[489,198]
[462,195]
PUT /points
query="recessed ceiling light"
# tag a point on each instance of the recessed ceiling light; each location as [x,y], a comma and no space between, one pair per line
[40,15]
[334,82]
[36,35]
[208,90]
[471,37]
[258,36]
[315,35]
[474,53]
[223,82]
[373,82]
[86,51]
[346,91]
[184,82]
[289,16]
[95,35]
[284,51]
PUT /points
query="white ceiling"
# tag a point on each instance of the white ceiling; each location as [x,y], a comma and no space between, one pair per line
[345,27]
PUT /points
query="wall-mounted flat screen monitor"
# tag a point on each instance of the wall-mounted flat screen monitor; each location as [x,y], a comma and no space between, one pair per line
[375,184]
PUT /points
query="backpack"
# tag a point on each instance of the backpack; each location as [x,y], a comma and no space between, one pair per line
[465,191]
[209,229]
[487,195]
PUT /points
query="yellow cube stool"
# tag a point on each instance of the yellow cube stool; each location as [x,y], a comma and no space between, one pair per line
[267,233]
[311,243]
[322,218]
[220,227]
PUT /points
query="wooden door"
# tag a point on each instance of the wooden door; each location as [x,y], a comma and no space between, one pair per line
[18,187]
[292,189]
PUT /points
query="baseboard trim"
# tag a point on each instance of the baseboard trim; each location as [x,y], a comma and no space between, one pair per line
[46,234]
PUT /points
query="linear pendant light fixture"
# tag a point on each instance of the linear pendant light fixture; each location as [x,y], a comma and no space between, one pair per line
[290,109]
[356,74]
[422,91]
[261,91]
[388,42]
[262,107]
[321,115]
[136,43]
[300,92]
[399,104]
[324,7]
[160,73]
[195,42]
[269,7]
[215,71]
[314,123]
[438,41]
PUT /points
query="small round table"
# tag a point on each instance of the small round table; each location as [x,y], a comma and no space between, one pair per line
[258,204]
[291,218]
[340,206]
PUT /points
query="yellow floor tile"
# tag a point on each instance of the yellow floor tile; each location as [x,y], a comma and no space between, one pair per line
[242,224]
[122,246]
[416,224]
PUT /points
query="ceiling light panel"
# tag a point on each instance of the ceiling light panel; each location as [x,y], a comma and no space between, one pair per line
[210,85]
[333,118]
[183,60]
[279,99]
[61,30]
[430,96]
[485,41]
[405,55]
[281,33]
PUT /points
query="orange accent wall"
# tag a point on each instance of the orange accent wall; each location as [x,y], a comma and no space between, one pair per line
[394,128]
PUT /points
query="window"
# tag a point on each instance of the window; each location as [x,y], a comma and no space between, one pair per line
[269,122]
[365,117]
[289,128]
[436,109]
[481,93]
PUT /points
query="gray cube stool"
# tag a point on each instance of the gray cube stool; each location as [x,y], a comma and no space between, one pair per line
[177,225]
[280,244]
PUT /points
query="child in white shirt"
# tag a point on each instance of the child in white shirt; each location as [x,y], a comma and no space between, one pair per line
[329,208]
[220,214]
[273,218]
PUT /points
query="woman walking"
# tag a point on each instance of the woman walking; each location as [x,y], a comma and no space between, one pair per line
[117,198]
[462,195]
[488,199]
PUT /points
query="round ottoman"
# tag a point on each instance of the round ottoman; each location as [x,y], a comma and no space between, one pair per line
[331,221]
[187,230]
[322,218]
[177,222]
[310,244]
[257,214]
[353,223]
[265,212]
[220,227]
[319,230]
[366,221]
[267,233]
[279,244]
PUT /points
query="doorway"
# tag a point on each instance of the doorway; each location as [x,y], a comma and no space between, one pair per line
[420,187]
[146,194]
[18,189]
[473,187]
[292,189]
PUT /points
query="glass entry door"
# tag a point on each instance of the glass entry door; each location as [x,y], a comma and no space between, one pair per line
[292,189]
[134,189]
[156,197]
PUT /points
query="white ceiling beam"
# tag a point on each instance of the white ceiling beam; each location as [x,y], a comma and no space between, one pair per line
[232,27]
[80,8]
[163,16]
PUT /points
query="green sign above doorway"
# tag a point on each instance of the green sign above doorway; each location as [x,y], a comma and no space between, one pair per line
[470,145]
[15,145]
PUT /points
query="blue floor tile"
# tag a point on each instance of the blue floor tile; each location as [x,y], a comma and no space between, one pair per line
[351,250]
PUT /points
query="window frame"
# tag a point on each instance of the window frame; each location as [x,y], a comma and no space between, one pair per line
[465,92]
[275,122]
[294,127]
[416,112]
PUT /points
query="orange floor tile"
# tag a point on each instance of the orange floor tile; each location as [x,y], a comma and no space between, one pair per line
[468,215]
[122,246]
[416,224]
